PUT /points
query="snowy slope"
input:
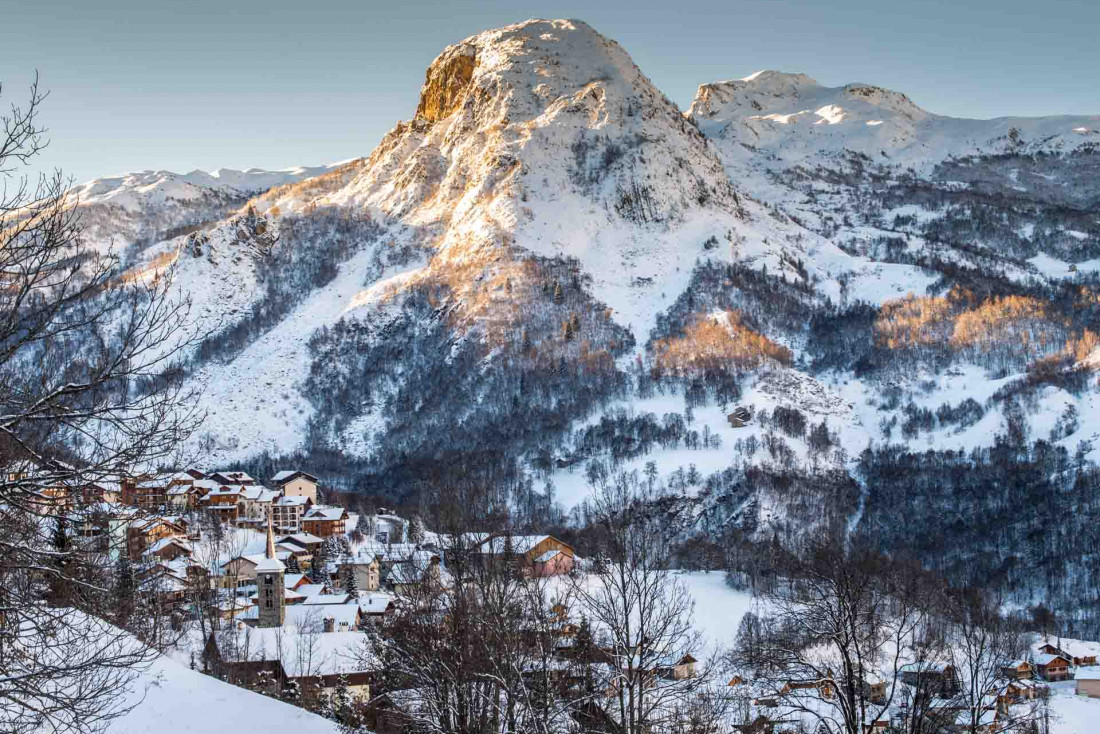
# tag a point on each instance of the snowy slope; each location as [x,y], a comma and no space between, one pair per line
[171,697]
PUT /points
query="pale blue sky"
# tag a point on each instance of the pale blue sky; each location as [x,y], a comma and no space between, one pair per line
[203,84]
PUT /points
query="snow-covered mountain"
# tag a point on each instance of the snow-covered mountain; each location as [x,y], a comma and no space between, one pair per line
[146,206]
[550,274]
[790,119]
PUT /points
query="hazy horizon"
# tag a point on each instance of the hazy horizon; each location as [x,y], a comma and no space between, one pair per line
[140,86]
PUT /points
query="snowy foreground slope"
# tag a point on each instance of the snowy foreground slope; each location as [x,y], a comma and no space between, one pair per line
[175,698]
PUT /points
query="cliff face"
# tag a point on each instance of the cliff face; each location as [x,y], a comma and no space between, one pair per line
[447,82]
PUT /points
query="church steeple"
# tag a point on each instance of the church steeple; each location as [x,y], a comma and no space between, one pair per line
[270,597]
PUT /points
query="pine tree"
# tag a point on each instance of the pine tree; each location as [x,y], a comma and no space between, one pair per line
[292,564]
[351,584]
[59,580]
[125,590]
[416,530]
[559,295]
[317,570]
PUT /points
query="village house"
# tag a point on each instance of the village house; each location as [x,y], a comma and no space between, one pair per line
[296,484]
[1087,682]
[168,549]
[287,512]
[144,532]
[682,669]
[538,555]
[937,678]
[324,522]
[365,567]
[149,491]
[318,663]
[254,506]
[374,606]
[1051,667]
[1074,651]
[1018,670]
[422,567]
[224,502]
[231,477]
[303,546]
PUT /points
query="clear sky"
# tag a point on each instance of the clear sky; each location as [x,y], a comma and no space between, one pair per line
[185,84]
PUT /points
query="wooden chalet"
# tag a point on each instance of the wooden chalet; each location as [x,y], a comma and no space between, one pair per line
[1052,667]
[324,522]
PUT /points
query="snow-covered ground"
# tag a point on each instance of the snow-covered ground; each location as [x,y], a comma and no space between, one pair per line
[170,697]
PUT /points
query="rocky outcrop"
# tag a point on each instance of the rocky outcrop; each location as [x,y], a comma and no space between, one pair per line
[448,79]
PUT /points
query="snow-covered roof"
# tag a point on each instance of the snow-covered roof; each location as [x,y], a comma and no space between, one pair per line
[301,655]
[1047,658]
[926,666]
[232,477]
[375,602]
[328,599]
[321,512]
[165,542]
[308,590]
[269,565]
[303,539]
[284,501]
[1091,673]
[287,475]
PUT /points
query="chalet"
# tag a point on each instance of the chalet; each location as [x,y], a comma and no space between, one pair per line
[149,492]
[224,502]
[232,477]
[325,522]
[102,491]
[537,555]
[1052,667]
[307,542]
[168,549]
[1088,682]
[296,557]
[1018,670]
[1014,691]
[144,532]
[296,484]
[874,690]
[1076,652]
[740,417]
[937,678]
[680,670]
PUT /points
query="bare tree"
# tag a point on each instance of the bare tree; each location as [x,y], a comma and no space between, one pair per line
[88,395]
[981,645]
[641,614]
[836,636]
